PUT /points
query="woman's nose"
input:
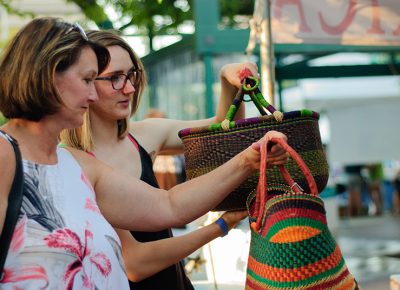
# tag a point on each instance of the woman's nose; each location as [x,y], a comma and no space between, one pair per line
[129,87]
[93,97]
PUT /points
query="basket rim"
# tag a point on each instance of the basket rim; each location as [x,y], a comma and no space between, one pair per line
[241,123]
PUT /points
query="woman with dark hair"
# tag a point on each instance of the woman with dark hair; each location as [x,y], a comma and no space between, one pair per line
[63,238]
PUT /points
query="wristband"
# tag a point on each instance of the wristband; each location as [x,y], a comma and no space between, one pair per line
[223,226]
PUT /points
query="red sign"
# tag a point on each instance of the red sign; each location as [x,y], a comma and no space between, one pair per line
[351,22]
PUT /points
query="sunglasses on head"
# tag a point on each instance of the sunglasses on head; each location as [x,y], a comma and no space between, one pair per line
[78,28]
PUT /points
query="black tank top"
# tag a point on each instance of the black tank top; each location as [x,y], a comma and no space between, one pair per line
[173,277]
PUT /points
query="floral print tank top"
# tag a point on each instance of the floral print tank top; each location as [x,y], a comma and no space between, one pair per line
[61,240]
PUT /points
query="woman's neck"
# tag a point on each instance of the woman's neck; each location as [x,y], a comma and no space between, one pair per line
[37,140]
[104,131]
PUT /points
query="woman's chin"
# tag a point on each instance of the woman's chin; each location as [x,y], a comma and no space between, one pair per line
[75,123]
[122,114]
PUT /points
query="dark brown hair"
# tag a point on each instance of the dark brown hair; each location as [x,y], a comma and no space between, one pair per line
[44,47]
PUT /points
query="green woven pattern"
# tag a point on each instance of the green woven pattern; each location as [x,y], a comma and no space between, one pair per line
[294,222]
[293,254]
[297,250]
[295,285]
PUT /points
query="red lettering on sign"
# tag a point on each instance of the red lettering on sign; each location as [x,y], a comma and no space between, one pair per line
[338,29]
[376,19]
[397,32]
[278,12]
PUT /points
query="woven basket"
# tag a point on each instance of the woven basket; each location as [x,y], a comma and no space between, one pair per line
[208,147]
[291,245]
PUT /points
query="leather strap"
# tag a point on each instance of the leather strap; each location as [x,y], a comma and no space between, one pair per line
[14,204]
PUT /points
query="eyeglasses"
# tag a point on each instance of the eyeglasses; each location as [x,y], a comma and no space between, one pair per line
[118,81]
[78,28]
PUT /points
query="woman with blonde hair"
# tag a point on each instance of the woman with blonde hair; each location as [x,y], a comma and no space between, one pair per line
[132,147]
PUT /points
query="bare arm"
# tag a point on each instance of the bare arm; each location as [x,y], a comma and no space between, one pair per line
[165,131]
[145,259]
[7,172]
[127,202]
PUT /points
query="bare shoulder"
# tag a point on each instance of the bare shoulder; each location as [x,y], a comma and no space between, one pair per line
[7,159]
[89,164]
[6,151]
[7,172]
[78,154]
[150,133]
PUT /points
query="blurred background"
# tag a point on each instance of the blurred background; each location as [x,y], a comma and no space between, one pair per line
[339,58]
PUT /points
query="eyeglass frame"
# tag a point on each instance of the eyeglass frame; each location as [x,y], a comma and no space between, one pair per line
[134,84]
[76,26]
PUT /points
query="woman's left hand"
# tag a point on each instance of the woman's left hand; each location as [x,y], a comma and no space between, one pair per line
[232,73]
[232,218]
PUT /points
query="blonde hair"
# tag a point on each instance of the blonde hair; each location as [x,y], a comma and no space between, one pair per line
[82,137]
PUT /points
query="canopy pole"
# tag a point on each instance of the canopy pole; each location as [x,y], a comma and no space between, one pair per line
[260,29]
[267,56]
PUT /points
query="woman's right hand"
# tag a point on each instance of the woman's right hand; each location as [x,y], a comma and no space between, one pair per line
[232,218]
[276,155]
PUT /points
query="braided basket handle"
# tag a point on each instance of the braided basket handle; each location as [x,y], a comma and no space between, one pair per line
[261,196]
[250,86]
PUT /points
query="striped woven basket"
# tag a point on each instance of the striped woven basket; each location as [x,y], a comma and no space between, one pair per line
[208,147]
[291,246]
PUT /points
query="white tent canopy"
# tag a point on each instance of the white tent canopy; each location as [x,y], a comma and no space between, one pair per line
[362,113]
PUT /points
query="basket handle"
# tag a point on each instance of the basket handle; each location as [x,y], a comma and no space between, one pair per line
[250,86]
[262,183]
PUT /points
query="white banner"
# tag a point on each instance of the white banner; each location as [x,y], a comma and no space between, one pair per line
[346,22]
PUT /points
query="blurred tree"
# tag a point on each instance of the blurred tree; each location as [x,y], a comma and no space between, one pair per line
[6,4]
[3,120]
[150,18]
[230,9]
[94,12]
[90,8]
[161,17]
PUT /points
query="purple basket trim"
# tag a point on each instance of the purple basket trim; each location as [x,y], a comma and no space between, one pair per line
[292,114]
[248,121]
[237,102]
[185,132]
[271,108]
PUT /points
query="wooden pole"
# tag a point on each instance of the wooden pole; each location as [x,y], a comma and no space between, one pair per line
[260,30]
[267,56]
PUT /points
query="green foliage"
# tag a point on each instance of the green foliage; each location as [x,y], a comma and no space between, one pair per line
[94,12]
[159,16]
[165,16]
[6,4]
[231,8]
[152,18]
[3,120]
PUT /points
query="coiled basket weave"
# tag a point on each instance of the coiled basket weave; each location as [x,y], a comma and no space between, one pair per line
[206,148]
[291,246]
